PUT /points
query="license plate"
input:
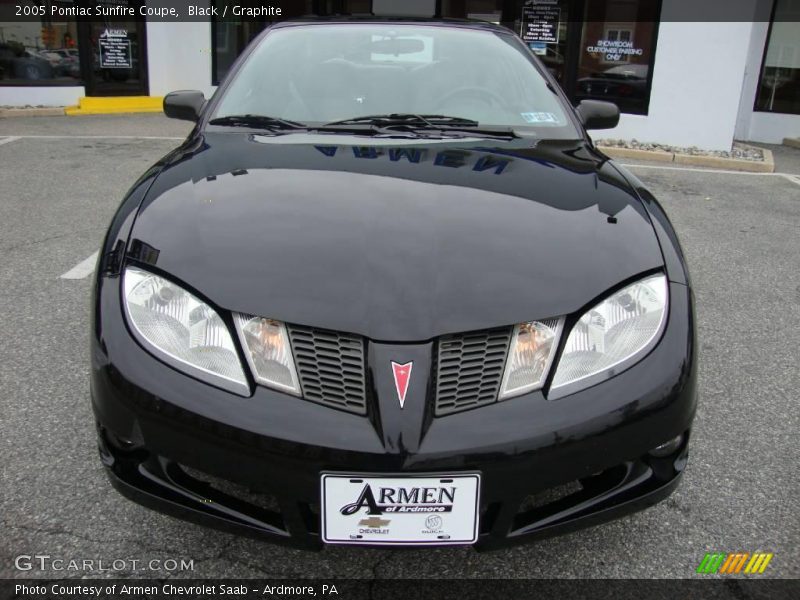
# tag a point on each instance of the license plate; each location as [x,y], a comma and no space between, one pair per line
[396,510]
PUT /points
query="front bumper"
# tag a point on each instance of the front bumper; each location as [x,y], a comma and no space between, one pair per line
[252,465]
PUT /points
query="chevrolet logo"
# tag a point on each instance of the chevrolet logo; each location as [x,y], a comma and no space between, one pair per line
[374,522]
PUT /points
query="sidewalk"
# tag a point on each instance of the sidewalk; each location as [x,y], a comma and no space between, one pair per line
[787,159]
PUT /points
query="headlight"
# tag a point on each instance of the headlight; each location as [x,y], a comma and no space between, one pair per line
[268,351]
[182,330]
[529,356]
[612,336]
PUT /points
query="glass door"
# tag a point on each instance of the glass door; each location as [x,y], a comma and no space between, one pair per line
[114,54]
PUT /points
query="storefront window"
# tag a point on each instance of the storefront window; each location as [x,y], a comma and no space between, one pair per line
[39,50]
[483,10]
[617,52]
[779,85]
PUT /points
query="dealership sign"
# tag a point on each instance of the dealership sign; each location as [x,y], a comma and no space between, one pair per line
[115,49]
[540,22]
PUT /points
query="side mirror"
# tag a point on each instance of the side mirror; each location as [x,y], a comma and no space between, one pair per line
[596,114]
[185,105]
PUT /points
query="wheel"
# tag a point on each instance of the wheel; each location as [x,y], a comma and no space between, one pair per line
[31,71]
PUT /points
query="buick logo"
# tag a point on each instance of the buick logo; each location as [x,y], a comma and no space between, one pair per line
[433,522]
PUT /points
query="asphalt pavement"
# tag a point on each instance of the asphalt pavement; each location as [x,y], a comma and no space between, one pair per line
[61,179]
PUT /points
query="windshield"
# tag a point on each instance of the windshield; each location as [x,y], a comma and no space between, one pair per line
[323,73]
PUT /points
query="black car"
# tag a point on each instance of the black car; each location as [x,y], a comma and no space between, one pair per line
[388,292]
[625,85]
[18,63]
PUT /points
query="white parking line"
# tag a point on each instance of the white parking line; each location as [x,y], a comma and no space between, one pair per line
[9,139]
[789,176]
[792,178]
[82,269]
[91,137]
[695,170]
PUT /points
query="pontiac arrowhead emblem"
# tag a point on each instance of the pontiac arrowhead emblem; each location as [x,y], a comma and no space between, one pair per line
[402,373]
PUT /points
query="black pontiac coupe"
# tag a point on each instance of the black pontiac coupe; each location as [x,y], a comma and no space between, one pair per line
[388,292]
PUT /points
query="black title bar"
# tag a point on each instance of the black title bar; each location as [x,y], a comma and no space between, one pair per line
[175,11]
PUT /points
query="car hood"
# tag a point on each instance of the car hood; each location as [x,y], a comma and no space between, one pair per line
[395,239]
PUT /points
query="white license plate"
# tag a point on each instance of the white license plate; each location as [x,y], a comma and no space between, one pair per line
[424,509]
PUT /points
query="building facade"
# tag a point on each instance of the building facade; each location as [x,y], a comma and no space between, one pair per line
[678,81]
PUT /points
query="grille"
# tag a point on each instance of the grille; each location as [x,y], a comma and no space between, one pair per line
[330,367]
[469,369]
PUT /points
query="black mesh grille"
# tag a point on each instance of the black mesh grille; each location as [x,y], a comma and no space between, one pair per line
[469,369]
[330,366]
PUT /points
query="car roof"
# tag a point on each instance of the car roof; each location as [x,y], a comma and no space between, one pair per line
[393,20]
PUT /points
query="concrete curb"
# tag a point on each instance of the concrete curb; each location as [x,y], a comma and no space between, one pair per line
[716,162]
[655,155]
[116,105]
[93,106]
[56,111]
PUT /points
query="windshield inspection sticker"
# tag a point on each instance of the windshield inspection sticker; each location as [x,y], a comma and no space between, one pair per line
[540,117]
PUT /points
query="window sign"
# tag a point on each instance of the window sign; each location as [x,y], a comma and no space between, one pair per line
[115,49]
[539,48]
[540,22]
[615,50]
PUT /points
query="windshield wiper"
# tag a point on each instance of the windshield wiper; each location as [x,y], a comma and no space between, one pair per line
[417,124]
[393,124]
[256,121]
[411,119]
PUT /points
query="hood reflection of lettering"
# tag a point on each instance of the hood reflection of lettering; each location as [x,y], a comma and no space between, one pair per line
[471,163]
[455,159]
